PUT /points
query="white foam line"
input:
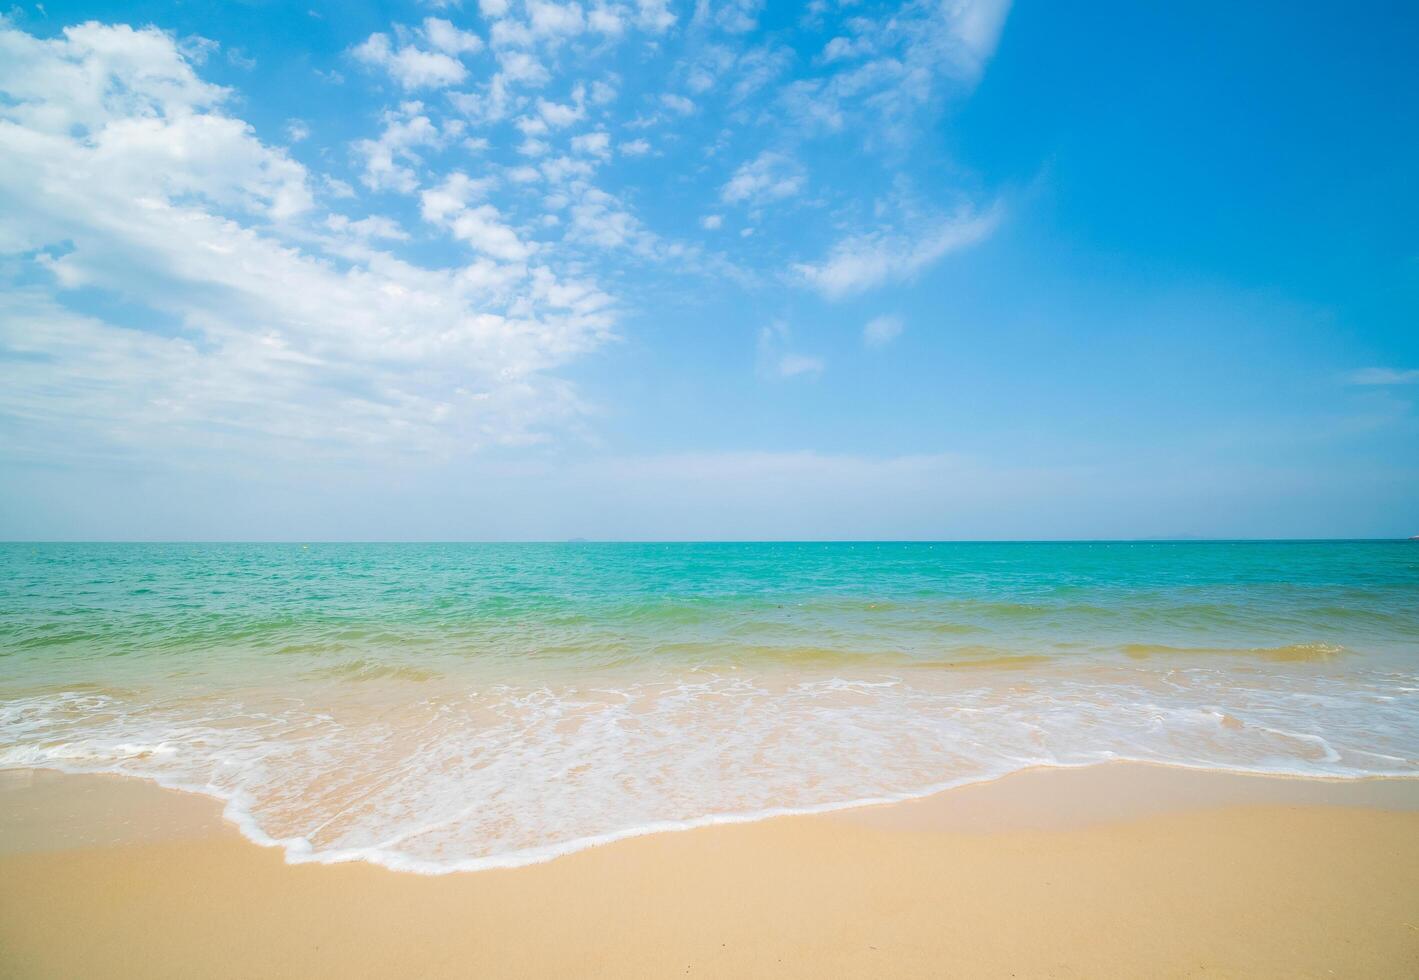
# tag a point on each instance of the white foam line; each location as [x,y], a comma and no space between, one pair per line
[298,850]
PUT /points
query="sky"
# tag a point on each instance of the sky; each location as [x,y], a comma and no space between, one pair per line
[648,269]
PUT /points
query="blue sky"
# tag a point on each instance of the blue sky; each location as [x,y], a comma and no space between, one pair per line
[645,269]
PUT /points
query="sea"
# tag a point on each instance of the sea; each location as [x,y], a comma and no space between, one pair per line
[455,707]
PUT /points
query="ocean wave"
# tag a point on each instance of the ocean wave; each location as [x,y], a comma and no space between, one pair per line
[460,772]
[1288,653]
[371,670]
[448,707]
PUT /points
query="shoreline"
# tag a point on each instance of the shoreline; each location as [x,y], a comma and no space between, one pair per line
[1117,868]
[294,853]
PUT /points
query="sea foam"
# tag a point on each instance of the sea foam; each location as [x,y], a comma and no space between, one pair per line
[458,777]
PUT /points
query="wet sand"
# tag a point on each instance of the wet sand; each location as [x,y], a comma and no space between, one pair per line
[1115,870]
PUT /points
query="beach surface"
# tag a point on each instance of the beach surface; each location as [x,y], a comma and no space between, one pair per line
[1109,870]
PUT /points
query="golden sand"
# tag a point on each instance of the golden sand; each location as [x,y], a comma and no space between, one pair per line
[1117,870]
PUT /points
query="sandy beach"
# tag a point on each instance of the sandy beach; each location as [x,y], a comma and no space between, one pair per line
[1115,870]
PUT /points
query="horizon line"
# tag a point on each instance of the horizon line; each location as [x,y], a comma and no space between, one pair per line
[1182,539]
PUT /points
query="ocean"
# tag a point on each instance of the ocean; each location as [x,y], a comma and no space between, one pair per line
[440,707]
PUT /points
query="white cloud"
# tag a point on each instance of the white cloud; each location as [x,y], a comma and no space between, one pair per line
[336,187]
[602,92]
[197,49]
[511,34]
[415,67]
[410,66]
[655,15]
[842,48]
[597,144]
[153,129]
[555,19]
[756,68]
[711,221]
[791,364]
[441,34]
[677,103]
[598,218]
[707,66]
[770,176]
[882,330]
[887,69]
[561,169]
[483,228]
[493,102]
[975,29]
[375,226]
[776,360]
[634,148]
[862,262]
[730,16]
[606,20]
[559,114]
[519,66]
[262,322]
[440,204]
[1382,376]
[389,158]
[237,59]
[493,9]
[62,85]
[297,130]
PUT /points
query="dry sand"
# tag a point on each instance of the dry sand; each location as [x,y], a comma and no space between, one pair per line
[1117,870]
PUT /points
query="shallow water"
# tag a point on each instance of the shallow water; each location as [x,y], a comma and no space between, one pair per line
[434,707]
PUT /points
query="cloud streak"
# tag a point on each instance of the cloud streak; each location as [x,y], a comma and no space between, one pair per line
[882,330]
[860,263]
[777,360]
[1382,376]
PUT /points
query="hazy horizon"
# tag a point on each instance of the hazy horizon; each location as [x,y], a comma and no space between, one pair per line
[1186,539]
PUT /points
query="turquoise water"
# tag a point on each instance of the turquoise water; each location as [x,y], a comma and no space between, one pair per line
[458,706]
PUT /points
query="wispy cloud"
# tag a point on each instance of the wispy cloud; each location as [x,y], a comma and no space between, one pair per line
[777,360]
[884,70]
[882,330]
[768,177]
[1383,376]
[859,263]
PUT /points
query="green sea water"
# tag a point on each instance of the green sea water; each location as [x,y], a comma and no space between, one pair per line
[441,706]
